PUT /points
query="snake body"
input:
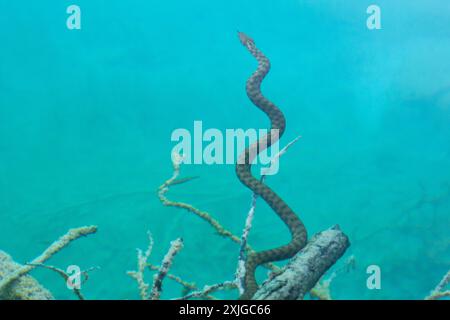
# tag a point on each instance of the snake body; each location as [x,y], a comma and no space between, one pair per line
[243,171]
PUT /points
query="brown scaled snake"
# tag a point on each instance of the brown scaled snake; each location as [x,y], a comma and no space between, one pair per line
[243,171]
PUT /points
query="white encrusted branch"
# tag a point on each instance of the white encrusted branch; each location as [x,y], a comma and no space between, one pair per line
[207,290]
[25,287]
[76,289]
[8,285]
[175,247]
[440,292]
[56,246]
[303,271]
[142,262]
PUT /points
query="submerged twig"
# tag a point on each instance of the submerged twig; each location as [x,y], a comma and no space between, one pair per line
[76,290]
[56,246]
[143,264]
[164,188]
[321,290]
[217,226]
[440,292]
[24,288]
[303,271]
[210,289]
[138,275]
[186,285]
[175,247]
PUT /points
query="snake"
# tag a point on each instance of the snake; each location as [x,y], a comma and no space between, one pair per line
[244,174]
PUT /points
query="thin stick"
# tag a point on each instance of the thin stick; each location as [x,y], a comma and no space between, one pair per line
[439,291]
[76,290]
[209,289]
[164,188]
[56,246]
[175,247]
[173,180]
[138,275]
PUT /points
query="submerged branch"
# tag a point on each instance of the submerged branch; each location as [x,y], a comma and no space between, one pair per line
[55,247]
[440,292]
[303,271]
[8,285]
[175,247]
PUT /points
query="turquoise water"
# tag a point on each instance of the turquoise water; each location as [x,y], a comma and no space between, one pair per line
[86,118]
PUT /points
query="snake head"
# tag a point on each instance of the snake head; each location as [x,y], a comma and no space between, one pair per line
[245,39]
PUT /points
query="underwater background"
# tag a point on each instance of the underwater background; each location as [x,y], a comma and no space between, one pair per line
[86,118]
